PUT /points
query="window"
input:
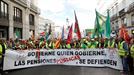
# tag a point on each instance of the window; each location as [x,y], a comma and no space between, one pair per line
[124,21]
[17,15]
[31,19]
[3,9]
[132,20]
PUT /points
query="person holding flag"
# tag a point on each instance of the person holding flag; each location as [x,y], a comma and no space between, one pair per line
[123,53]
[131,55]
[111,43]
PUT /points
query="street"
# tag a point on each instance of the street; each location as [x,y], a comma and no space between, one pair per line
[64,70]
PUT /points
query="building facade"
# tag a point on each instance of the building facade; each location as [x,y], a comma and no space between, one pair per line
[122,13]
[49,22]
[18,18]
[41,27]
[44,25]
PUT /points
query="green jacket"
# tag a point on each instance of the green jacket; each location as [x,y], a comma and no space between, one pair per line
[68,46]
[121,51]
[83,45]
[94,44]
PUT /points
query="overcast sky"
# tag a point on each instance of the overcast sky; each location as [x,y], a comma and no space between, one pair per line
[59,10]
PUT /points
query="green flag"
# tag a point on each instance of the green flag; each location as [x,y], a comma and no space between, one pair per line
[99,25]
[108,28]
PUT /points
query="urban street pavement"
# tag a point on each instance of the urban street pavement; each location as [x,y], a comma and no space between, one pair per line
[64,70]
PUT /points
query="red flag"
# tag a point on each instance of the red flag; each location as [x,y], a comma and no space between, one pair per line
[124,34]
[42,33]
[69,37]
[76,27]
[127,37]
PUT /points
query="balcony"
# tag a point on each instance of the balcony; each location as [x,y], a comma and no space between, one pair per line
[4,19]
[114,17]
[4,15]
[122,13]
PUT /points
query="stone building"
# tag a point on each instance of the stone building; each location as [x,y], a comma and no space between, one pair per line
[18,18]
[122,12]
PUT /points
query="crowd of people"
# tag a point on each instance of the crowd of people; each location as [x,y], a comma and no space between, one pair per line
[84,43]
[125,49]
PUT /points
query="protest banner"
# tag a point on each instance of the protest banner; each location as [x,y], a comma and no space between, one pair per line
[89,57]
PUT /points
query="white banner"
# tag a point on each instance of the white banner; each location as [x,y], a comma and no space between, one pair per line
[89,57]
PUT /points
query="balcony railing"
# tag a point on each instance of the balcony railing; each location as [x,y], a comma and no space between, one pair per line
[4,15]
[122,12]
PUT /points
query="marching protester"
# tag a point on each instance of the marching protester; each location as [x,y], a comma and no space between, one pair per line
[3,47]
[83,44]
[123,49]
[131,55]
[101,43]
[123,53]
[68,45]
[63,44]
[1,53]
[111,43]
[42,44]
[50,44]
[78,44]
[106,42]
[93,44]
